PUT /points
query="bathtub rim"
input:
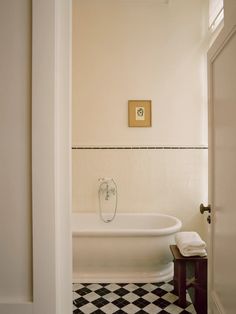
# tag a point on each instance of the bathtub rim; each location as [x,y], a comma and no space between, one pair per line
[115,232]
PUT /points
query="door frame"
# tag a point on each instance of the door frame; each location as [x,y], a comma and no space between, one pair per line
[51,156]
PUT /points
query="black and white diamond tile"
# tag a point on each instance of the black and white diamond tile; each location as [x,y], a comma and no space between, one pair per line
[130,298]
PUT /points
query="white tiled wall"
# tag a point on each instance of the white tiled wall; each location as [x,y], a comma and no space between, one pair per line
[171,181]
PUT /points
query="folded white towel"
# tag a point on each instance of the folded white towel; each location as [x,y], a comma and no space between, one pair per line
[190,244]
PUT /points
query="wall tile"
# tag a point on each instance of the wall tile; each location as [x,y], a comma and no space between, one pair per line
[165,181]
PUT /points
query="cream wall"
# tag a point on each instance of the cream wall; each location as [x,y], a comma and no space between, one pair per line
[145,49]
[15,160]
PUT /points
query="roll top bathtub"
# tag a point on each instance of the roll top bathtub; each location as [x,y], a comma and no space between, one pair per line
[133,247]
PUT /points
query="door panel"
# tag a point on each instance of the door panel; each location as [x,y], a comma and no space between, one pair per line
[15,165]
[222,162]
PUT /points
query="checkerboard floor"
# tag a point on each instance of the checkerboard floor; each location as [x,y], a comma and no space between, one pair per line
[130,298]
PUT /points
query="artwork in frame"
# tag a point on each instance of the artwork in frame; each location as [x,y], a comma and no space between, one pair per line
[140,113]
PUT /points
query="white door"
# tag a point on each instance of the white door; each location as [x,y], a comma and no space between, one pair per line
[35,239]
[222,166]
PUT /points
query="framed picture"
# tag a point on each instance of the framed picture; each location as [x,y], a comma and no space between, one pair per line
[140,113]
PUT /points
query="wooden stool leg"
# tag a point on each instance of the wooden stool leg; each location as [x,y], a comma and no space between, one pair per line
[201,287]
[175,279]
[180,285]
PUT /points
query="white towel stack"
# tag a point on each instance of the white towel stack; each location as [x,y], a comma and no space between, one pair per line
[190,244]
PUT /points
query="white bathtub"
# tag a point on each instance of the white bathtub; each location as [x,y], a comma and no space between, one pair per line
[131,248]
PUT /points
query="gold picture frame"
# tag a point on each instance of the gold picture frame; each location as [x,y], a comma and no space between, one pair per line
[140,113]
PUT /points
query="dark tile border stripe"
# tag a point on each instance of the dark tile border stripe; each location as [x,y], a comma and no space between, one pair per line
[139,147]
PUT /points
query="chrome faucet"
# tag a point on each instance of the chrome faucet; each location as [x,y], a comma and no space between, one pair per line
[107,190]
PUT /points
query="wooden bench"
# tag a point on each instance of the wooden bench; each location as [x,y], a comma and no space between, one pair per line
[198,282]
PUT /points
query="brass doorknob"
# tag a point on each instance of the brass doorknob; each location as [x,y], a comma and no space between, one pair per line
[205,208]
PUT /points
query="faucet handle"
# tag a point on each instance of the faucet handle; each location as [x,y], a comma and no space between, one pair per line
[104,179]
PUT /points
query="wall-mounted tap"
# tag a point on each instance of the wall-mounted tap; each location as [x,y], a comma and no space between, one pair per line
[105,188]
